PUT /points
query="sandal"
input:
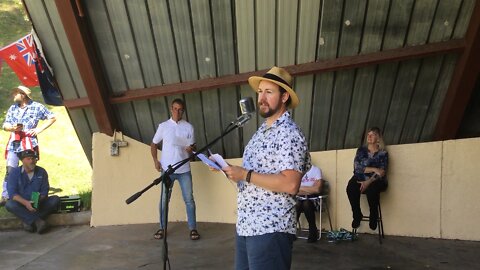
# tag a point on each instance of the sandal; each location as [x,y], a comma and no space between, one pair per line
[194,235]
[159,234]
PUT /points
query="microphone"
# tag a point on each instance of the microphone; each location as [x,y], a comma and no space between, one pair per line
[247,107]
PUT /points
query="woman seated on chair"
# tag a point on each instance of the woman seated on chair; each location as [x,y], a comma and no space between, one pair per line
[309,188]
[370,167]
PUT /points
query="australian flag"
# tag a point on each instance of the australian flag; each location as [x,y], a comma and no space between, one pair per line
[48,85]
[51,94]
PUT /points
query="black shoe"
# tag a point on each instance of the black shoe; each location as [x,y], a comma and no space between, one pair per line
[42,225]
[312,236]
[28,227]
[373,224]
[356,222]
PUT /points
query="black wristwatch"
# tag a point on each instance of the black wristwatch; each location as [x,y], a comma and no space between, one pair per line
[249,175]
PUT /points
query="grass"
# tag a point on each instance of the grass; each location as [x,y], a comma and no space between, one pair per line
[60,151]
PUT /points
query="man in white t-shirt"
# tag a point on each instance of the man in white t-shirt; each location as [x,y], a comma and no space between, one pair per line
[310,187]
[178,140]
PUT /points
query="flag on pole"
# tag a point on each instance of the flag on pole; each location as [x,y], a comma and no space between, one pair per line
[20,56]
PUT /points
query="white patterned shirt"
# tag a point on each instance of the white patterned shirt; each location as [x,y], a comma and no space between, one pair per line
[280,147]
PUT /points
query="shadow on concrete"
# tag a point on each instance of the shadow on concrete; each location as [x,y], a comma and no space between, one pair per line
[133,247]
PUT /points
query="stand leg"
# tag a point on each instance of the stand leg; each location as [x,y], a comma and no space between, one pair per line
[166,185]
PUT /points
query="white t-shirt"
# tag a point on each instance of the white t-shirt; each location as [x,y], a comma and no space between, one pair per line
[314,174]
[176,137]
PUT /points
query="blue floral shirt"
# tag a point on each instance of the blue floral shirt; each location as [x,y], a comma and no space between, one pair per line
[29,116]
[365,159]
[282,146]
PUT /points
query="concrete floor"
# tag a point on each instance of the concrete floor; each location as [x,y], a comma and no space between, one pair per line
[133,247]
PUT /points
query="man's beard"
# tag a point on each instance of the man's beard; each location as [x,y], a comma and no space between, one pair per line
[270,111]
[30,167]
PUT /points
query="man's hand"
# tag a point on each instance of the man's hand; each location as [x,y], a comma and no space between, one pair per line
[235,173]
[158,166]
[30,207]
[33,132]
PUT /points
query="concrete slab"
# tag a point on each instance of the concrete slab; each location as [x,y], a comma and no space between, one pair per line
[133,247]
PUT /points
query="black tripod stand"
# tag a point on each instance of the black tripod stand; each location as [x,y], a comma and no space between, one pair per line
[167,181]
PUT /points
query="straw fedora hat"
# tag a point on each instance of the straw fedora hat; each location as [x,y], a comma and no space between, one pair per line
[24,90]
[280,77]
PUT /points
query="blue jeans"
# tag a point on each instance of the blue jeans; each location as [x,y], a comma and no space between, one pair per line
[45,208]
[265,252]
[185,181]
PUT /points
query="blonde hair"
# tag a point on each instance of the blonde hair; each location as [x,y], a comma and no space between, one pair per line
[378,131]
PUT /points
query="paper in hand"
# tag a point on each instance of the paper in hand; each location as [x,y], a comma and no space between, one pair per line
[209,162]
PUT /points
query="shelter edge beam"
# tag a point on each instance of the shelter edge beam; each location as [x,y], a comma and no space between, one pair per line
[462,83]
[348,62]
[87,63]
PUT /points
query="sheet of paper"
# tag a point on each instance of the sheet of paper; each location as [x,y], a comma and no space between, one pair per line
[219,160]
[210,163]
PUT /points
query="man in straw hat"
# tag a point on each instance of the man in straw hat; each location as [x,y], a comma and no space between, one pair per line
[23,182]
[274,161]
[21,121]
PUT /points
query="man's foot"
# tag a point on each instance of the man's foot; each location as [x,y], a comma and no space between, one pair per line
[159,234]
[29,228]
[356,223]
[373,223]
[41,225]
[194,235]
[312,236]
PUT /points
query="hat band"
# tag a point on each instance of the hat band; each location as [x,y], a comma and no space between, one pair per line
[275,78]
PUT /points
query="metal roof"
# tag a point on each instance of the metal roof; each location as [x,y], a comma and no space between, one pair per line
[357,64]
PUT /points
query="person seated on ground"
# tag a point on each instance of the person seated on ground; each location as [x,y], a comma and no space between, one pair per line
[309,188]
[370,168]
[22,182]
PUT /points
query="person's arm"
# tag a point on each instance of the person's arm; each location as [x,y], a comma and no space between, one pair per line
[24,202]
[12,187]
[45,186]
[287,181]
[47,123]
[314,189]
[154,153]
[8,124]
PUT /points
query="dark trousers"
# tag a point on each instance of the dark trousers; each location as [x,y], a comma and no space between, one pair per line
[45,208]
[373,197]
[271,251]
[308,208]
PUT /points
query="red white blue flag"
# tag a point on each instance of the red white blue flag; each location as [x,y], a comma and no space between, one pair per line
[21,57]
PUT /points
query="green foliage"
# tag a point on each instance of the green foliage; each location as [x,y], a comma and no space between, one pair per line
[60,151]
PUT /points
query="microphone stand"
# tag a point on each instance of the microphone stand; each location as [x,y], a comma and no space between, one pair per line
[167,181]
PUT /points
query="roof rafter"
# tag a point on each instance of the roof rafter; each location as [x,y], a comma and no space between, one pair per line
[349,62]
[87,64]
[463,82]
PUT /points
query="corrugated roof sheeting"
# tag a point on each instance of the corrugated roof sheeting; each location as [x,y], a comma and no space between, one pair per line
[144,43]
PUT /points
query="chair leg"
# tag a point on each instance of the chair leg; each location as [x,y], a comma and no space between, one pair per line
[380,225]
[320,220]
[328,213]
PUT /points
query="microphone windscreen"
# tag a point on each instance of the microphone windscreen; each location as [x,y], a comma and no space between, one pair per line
[246,105]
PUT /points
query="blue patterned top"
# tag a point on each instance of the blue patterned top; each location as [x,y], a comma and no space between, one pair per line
[365,159]
[282,146]
[29,116]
